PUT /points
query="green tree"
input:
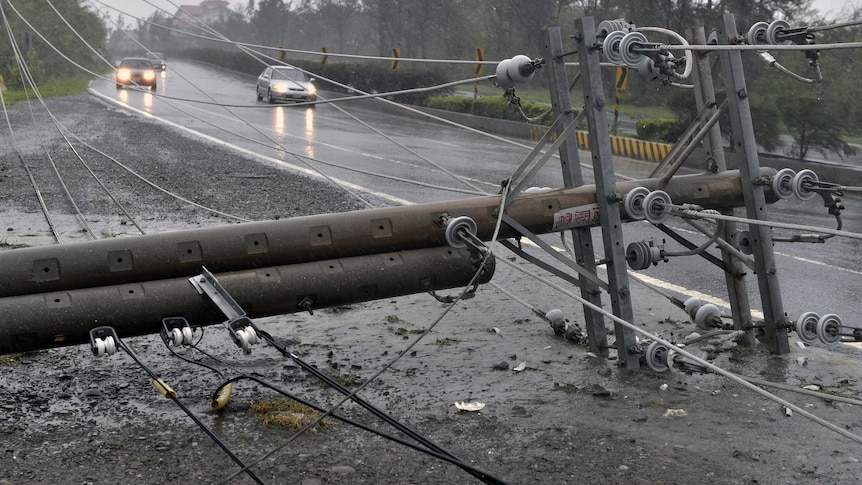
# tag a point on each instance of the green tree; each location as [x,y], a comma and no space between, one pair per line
[271,22]
[40,20]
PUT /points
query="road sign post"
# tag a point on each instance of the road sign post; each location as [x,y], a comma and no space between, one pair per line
[396,54]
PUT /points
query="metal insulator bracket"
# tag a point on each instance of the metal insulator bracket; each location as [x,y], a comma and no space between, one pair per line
[242,329]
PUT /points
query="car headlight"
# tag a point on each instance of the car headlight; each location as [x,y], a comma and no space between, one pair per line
[279,87]
[124,74]
[149,75]
[312,89]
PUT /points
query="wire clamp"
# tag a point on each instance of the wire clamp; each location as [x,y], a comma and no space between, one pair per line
[103,341]
[176,331]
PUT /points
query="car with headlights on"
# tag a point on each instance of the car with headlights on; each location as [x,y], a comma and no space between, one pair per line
[158,60]
[284,83]
[136,71]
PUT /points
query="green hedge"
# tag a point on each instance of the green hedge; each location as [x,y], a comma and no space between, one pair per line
[660,130]
[491,107]
[367,77]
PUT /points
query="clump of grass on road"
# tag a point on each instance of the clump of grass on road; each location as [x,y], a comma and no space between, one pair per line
[286,414]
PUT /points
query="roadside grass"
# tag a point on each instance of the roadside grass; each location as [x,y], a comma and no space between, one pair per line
[49,89]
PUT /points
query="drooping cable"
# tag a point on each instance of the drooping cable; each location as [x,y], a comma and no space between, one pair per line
[257,55]
[404,107]
[170,394]
[686,354]
[449,306]
[688,210]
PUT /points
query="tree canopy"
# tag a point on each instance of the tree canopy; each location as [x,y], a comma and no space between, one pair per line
[35,19]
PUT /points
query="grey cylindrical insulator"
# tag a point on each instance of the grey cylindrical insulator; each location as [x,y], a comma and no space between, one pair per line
[557,320]
[829,329]
[782,182]
[453,228]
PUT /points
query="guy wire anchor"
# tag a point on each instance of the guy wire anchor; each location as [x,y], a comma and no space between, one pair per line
[242,329]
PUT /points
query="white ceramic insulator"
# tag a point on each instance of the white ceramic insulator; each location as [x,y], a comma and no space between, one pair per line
[176,337]
[187,335]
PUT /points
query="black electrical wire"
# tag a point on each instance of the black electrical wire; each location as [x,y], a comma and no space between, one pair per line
[344,419]
[192,361]
[429,447]
[173,397]
[483,476]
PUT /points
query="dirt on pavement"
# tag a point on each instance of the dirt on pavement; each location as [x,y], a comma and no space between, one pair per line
[567,417]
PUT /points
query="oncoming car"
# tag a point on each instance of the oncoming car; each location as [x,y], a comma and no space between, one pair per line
[158,60]
[286,84]
[136,71]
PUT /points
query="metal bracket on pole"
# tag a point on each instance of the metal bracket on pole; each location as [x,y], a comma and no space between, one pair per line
[572,177]
[609,204]
[242,329]
[734,275]
[755,201]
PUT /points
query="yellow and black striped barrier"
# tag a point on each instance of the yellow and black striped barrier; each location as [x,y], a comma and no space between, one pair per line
[623,146]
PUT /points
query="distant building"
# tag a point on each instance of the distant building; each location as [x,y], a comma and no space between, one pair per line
[209,12]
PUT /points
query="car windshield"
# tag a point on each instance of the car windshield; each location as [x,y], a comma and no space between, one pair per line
[136,64]
[155,55]
[289,74]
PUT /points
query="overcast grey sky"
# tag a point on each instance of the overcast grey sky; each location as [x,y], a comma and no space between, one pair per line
[142,9]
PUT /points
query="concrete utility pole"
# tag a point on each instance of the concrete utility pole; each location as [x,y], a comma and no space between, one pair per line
[52,296]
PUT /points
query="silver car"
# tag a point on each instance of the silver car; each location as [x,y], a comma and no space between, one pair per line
[283,83]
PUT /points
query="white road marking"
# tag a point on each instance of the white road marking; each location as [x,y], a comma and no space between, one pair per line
[253,154]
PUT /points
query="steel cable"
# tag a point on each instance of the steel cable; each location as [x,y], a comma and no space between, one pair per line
[173,397]
[718,370]
[696,212]
[487,254]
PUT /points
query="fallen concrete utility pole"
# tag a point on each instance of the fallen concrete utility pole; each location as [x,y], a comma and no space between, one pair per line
[52,296]
[316,238]
[41,321]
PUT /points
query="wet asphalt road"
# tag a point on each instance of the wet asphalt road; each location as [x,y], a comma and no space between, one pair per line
[340,141]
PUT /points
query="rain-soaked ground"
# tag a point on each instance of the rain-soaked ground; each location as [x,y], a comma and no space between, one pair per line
[567,417]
